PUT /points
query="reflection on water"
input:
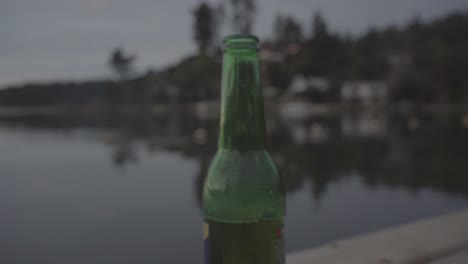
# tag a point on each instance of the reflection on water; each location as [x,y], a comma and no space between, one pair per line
[416,151]
[345,174]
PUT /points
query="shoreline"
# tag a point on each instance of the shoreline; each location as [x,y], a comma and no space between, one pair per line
[210,108]
[438,240]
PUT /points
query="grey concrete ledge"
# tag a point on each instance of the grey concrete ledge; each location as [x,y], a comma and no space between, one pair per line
[439,240]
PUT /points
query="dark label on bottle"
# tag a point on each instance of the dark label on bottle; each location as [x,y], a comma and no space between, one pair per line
[249,243]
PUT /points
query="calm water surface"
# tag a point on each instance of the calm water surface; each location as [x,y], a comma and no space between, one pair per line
[80,190]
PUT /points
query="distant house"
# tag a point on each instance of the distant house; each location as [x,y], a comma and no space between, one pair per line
[400,60]
[274,52]
[366,93]
[305,96]
[302,85]
[269,92]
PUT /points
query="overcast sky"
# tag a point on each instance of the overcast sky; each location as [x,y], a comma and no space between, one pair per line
[42,40]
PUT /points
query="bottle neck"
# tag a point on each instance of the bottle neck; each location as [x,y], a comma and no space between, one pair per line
[242,123]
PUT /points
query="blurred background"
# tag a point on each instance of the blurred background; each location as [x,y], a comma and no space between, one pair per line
[109,119]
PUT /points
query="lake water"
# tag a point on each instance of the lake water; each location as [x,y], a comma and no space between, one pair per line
[75,189]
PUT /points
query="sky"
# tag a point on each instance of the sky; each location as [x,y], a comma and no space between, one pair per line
[44,40]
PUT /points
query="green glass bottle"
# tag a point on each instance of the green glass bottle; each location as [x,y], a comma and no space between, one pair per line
[243,195]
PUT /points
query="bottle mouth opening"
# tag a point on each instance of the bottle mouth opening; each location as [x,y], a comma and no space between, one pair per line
[240,41]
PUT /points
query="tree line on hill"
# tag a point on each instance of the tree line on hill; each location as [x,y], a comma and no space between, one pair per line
[422,62]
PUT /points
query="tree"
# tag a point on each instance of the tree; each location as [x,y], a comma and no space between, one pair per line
[370,61]
[122,63]
[204,27]
[243,14]
[287,29]
[319,27]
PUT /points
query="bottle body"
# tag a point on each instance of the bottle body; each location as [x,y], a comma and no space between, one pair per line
[244,243]
[243,195]
[243,209]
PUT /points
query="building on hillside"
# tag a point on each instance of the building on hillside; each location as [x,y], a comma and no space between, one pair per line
[365,93]
[271,55]
[274,52]
[399,60]
[302,85]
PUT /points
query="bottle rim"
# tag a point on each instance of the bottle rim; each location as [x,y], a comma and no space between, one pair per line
[240,41]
